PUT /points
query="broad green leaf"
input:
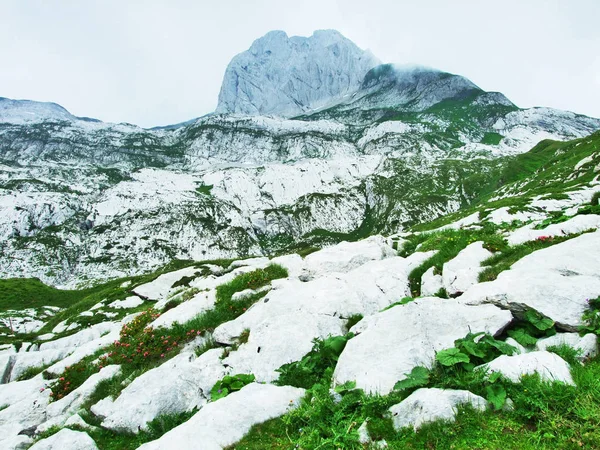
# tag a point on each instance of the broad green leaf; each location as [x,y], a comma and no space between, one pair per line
[335,344]
[419,376]
[522,337]
[537,320]
[347,386]
[236,385]
[494,376]
[501,346]
[496,395]
[472,348]
[451,356]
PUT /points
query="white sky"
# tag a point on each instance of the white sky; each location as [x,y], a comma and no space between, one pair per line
[157,62]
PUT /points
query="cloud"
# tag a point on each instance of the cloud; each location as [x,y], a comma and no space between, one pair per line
[154,62]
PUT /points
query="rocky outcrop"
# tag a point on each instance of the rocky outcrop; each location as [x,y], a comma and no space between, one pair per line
[287,76]
[557,282]
[391,343]
[428,405]
[226,421]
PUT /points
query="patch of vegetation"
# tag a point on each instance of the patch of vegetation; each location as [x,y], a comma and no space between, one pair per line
[492,138]
[251,280]
[31,372]
[229,384]
[532,327]
[353,320]
[404,301]
[204,189]
[110,440]
[312,367]
[448,244]
[591,317]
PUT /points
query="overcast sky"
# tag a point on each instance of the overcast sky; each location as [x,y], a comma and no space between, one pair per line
[157,62]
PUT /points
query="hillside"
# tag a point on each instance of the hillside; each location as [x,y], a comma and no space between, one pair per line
[391,324]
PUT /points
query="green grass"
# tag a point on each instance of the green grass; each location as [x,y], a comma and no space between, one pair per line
[251,280]
[448,244]
[31,372]
[546,416]
[491,138]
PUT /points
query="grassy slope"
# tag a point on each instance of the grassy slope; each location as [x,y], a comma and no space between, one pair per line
[543,171]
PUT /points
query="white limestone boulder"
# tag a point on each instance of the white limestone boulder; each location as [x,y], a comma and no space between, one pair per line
[60,410]
[76,421]
[186,311]
[281,340]
[587,345]
[66,439]
[285,322]
[226,421]
[13,441]
[81,337]
[293,263]
[502,215]
[556,281]
[391,343]
[460,273]
[549,366]
[577,224]
[255,263]
[132,301]
[26,411]
[431,283]
[87,349]
[179,385]
[29,360]
[249,293]
[161,286]
[430,404]
[346,256]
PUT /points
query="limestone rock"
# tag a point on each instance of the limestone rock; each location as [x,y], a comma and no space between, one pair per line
[132,301]
[430,404]
[181,384]
[460,273]
[284,323]
[431,283]
[549,366]
[576,224]
[160,288]
[556,281]
[391,343]
[224,422]
[66,439]
[186,311]
[346,256]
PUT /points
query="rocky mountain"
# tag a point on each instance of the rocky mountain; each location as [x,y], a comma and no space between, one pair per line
[391,146]
[407,249]
[288,76]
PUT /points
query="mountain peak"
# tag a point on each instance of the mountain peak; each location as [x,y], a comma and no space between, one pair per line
[286,76]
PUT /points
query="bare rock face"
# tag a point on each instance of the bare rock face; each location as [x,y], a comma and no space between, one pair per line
[224,422]
[549,366]
[391,343]
[428,405]
[557,282]
[287,76]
